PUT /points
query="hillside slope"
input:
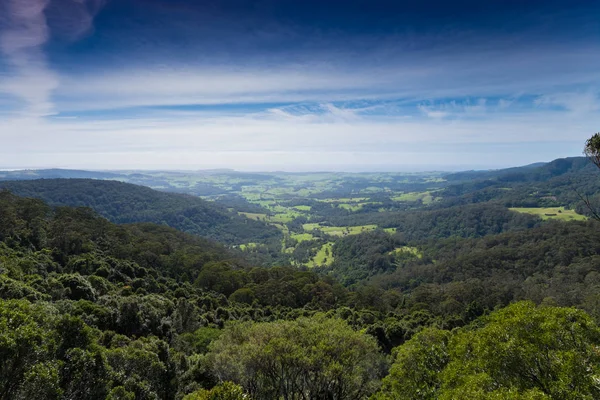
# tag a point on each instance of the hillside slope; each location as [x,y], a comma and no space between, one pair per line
[126,203]
[528,173]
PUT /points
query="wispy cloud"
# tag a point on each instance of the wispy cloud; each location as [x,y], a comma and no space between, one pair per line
[24,33]
[171,89]
[425,76]
[291,139]
[456,109]
[24,30]
[579,103]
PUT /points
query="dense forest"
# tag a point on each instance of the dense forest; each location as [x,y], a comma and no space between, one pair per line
[126,203]
[141,311]
[114,291]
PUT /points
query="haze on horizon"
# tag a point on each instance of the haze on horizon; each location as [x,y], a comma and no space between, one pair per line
[296,85]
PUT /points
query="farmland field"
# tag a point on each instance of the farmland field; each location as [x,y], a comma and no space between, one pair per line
[559,213]
[313,212]
[323,256]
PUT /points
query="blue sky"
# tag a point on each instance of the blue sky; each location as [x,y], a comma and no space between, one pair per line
[296,85]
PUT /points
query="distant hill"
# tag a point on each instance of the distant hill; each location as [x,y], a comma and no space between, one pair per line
[528,173]
[56,174]
[127,203]
[557,183]
[490,174]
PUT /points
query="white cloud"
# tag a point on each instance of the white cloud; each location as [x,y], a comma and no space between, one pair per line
[24,32]
[576,103]
[455,109]
[421,76]
[300,140]
[364,109]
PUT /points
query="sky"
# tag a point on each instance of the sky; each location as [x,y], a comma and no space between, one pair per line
[296,85]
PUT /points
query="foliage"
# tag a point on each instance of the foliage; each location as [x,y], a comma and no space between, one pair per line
[89,309]
[223,391]
[126,203]
[522,351]
[308,358]
[592,149]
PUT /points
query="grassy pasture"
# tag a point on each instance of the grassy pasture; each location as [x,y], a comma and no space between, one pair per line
[302,237]
[321,258]
[351,207]
[347,230]
[407,250]
[559,213]
[311,226]
[340,230]
[255,216]
[248,246]
[356,206]
[425,197]
[345,200]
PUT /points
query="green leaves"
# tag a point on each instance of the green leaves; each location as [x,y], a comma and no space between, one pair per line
[519,352]
[24,342]
[415,373]
[592,149]
[224,391]
[308,358]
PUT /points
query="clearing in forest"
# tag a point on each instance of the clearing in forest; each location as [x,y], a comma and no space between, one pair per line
[551,213]
[323,257]
[340,230]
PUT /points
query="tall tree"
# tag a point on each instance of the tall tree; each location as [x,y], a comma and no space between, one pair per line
[310,358]
[519,352]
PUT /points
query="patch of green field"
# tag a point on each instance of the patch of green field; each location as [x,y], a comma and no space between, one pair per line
[347,230]
[311,226]
[407,250]
[248,246]
[340,230]
[390,230]
[372,189]
[559,213]
[276,208]
[282,218]
[425,197]
[255,216]
[323,257]
[302,237]
[356,206]
[351,207]
[345,200]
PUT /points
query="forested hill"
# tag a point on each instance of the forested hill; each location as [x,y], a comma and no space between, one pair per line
[529,173]
[126,203]
[94,310]
[562,182]
[56,173]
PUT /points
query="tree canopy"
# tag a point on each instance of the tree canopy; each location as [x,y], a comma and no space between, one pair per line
[309,358]
[519,352]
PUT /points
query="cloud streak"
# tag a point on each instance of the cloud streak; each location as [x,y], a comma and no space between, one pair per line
[25,31]
[423,75]
[293,138]
[165,80]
